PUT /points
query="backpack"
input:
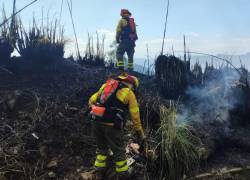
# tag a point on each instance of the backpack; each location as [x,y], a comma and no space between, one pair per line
[109,91]
[129,31]
[102,110]
[132,25]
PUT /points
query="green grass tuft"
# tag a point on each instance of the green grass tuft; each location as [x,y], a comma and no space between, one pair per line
[178,153]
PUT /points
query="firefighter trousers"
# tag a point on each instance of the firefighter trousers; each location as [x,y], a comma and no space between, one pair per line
[125,46]
[109,137]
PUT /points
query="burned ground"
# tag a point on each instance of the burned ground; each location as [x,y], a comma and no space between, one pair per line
[45,133]
[43,120]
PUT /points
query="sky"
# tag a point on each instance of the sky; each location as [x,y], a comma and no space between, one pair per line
[210,26]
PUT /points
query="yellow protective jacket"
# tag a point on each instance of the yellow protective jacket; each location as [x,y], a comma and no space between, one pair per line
[121,24]
[127,97]
[121,28]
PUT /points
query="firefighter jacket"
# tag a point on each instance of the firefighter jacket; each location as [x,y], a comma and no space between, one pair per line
[127,97]
[126,29]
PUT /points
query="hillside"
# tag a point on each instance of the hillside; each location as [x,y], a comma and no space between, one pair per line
[46,134]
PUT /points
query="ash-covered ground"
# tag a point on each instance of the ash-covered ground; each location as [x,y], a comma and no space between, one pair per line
[44,132]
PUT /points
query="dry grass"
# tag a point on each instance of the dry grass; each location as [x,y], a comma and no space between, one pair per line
[6,39]
[41,44]
[94,55]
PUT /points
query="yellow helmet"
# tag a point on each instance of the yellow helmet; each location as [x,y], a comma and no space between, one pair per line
[129,79]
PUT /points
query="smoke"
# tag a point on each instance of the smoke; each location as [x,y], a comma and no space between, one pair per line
[213,100]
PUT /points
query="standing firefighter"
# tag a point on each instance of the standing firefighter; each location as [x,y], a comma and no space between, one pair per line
[109,107]
[126,36]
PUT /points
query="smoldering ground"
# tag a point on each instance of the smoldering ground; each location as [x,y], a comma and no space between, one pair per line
[217,110]
[213,99]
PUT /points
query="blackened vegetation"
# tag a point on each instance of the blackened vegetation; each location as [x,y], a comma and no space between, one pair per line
[5,50]
[41,44]
[93,56]
[240,114]
[43,128]
[172,76]
[6,47]
[44,132]
[214,101]
[196,75]
[234,86]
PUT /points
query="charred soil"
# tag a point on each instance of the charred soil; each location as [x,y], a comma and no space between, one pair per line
[45,133]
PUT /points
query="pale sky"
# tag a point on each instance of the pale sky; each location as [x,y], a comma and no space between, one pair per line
[210,26]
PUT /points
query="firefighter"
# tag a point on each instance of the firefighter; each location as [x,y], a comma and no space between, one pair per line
[126,36]
[109,107]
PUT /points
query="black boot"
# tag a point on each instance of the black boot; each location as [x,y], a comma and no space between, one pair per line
[99,174]
[123,176]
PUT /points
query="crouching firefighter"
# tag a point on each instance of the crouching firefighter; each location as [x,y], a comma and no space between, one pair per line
[126,36]
[109,107]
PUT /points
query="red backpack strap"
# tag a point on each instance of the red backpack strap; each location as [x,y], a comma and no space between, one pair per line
[133,35]
[132,25]
[110,88]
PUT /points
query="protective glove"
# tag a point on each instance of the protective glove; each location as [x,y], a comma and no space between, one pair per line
[117,39]
[85,115]
[142,139]
[88,111]
[142,135]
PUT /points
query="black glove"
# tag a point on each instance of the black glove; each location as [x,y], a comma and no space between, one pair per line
[86,116]
[117,39]
[141,135]
[86,113]
[142,140]
[142,146]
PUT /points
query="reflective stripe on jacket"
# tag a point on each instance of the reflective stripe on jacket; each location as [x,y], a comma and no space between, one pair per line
[127,97]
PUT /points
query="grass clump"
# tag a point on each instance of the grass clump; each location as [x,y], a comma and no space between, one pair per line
[41,44]
[178,152]
[172,76]
[94,53]
[6,39]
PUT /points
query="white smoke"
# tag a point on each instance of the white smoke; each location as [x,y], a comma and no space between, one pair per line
[213,100]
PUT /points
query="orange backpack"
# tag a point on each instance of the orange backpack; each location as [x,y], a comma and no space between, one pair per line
[109,90]
[108,93]
[129,31]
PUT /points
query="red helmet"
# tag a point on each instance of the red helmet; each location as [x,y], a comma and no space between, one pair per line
[129,79]
[125,12]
